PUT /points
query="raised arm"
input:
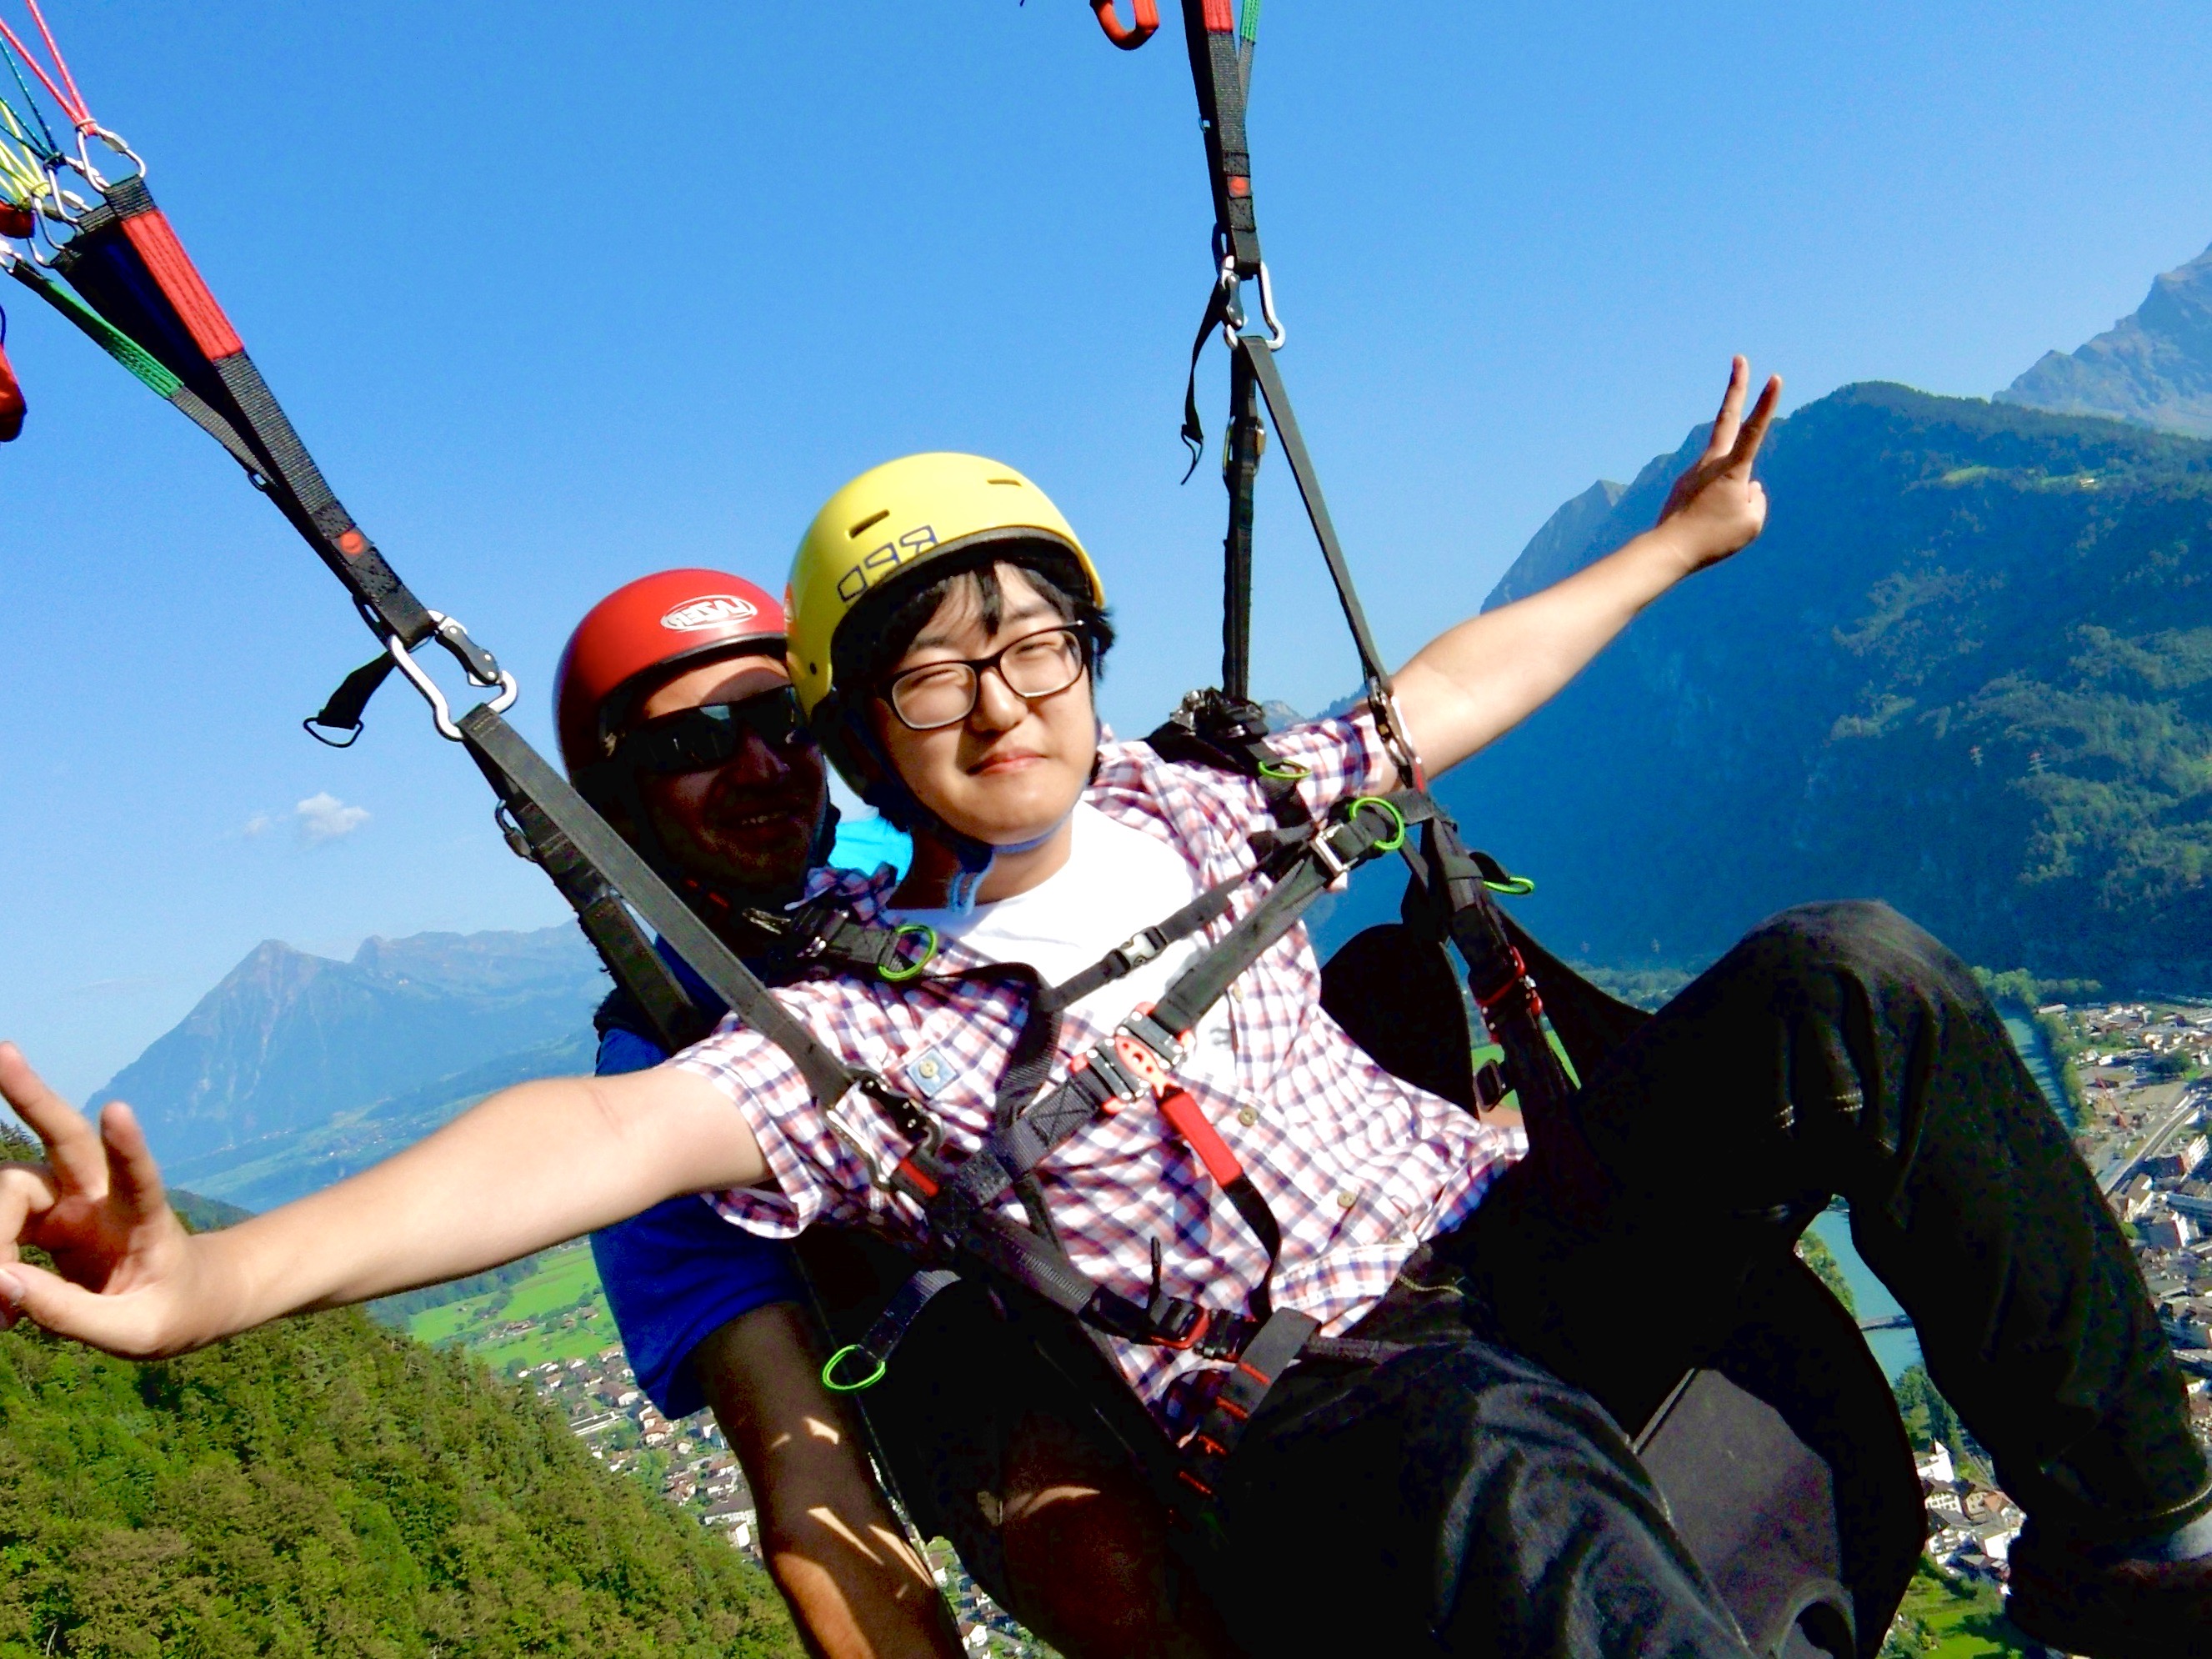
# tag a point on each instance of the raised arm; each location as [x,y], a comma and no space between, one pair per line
[1472,685]
[528,1167]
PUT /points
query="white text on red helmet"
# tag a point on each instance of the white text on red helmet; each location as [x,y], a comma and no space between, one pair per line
[710,611]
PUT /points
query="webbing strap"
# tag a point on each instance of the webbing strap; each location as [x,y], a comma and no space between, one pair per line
[1217,73]
[126,259]
[1264,1359]
[1255,354]
[874,1349]
[1377,824]
[347,708]
[521,776]
[149,370]
[1142,947]
[1240,473]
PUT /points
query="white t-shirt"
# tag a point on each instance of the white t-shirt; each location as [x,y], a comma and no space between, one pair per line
[1117,882]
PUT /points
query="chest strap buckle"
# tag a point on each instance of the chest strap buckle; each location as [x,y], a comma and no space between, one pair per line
[924,1133]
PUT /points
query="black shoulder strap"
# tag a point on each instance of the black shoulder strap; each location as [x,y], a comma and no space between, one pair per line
[1212,728]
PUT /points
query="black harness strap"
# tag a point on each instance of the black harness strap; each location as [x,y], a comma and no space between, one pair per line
[1212,728]
[522,778]
[346,708]
[960,1202]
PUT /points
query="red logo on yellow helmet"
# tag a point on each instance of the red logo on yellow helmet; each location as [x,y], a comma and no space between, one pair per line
[709,611]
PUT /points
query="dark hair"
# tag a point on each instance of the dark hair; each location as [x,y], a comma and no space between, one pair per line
[883,626]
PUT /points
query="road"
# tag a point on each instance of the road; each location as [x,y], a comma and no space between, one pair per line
[2192,1101]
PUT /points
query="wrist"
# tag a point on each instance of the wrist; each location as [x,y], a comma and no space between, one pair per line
[1675,549]
[223,1293]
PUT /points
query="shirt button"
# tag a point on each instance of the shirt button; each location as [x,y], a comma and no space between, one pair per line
[1247,1116]
[1345,1201]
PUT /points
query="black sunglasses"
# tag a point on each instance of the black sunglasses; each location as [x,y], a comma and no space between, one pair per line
[698,739]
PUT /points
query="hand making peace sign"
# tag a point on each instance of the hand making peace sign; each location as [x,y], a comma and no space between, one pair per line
[1716,507]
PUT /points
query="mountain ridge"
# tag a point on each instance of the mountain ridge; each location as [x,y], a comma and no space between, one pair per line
[1968,669]
[287,1040]
[2153,368]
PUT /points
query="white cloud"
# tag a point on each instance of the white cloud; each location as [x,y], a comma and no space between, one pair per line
[257,824]
[325,818]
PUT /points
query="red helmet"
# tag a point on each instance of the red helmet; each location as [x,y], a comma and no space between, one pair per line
[641,634]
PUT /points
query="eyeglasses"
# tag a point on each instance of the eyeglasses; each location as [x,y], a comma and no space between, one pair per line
[697,740]
[941,694]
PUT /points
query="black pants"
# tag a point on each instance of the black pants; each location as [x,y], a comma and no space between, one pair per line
[1476,1497]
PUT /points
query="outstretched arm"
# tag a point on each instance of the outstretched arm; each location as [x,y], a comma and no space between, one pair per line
[1469,687]
[529,1167]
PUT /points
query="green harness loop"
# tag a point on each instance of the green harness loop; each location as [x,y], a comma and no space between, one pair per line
[829,1372]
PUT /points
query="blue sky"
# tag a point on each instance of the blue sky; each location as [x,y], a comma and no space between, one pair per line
[561,294]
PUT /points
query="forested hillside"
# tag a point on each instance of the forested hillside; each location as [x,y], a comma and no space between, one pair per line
[324,1486]
[1968,670]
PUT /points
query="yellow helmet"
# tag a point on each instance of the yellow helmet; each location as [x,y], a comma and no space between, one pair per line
[892,518]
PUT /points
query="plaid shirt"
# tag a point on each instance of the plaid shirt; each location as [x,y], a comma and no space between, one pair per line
[1358,1167]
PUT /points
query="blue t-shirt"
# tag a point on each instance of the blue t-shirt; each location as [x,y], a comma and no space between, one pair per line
[678,1272]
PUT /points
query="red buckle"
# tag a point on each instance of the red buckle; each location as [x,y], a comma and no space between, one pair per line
[1142,1062]
[1197,1334]
[1113,1103]
[1519,981]
[912,1171]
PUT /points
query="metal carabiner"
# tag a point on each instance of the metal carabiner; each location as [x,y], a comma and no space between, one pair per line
[1276,332]
[1148,21]
[441,713]
[1233,317]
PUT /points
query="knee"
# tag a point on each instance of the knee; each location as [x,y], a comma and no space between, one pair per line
[1865,941]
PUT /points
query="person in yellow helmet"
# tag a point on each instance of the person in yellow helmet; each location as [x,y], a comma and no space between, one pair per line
[853,584]
[1470,1490]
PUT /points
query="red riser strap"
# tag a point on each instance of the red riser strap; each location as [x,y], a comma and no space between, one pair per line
[1182,1113]
[171,267]
[1221,17]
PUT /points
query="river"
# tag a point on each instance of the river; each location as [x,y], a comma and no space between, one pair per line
[1898,1350]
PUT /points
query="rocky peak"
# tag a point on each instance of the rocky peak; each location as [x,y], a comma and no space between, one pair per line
[2153,368]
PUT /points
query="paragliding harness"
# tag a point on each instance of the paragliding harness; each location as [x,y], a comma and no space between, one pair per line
[115,268]
[1800,1500]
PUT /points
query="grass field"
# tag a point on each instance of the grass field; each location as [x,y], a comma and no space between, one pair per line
[562,1301]
[1966,1623]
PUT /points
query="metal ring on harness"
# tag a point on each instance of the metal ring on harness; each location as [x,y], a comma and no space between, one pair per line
[1397,837]
[451,634]
[904,971]
[829,1369]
